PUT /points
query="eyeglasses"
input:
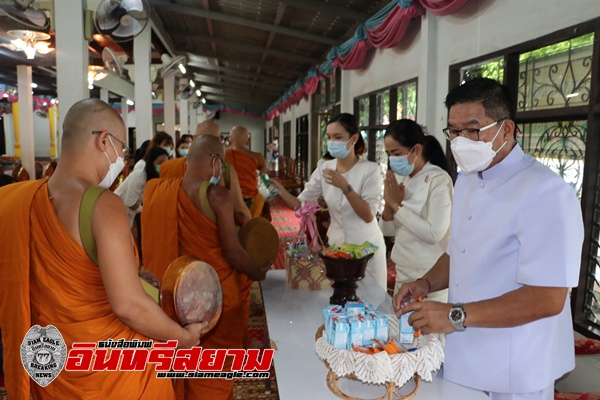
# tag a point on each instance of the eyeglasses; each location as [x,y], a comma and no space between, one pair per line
[469,133]
[125,149]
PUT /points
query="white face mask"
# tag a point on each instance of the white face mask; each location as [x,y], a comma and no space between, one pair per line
[471,155]
[114,169]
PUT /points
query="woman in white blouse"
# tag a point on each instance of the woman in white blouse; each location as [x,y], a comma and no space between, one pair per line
[131,191]
[418,199]
[351,186]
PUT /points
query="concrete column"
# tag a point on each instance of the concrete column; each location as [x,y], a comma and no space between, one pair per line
[143,86]
[71,56]
[193,120]
[169,105]
[183,117]
[125,111]
[104,95]
[25,120]
[427,100]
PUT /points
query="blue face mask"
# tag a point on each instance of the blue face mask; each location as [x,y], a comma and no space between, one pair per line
[400,164]
[215,179]
[338,149]
[183,152]
[157,167]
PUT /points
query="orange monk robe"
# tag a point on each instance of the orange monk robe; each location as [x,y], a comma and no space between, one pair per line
[172,227]
[174,168]
[46,278]
[246,166]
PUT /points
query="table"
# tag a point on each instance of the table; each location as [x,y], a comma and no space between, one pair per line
[293,317]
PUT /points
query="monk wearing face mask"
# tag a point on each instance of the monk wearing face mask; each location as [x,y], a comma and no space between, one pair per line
[47,278]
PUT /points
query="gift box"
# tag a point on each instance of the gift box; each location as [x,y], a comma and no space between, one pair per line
[305,274]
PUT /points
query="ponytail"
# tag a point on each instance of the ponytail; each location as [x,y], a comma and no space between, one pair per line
[434,154]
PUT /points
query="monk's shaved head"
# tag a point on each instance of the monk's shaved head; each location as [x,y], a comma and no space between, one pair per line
[203,146]
[208,127]
[239,136]
[89,115]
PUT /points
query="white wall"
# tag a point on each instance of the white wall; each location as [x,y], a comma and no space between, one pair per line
[433,43]
[41,135]
[256,127]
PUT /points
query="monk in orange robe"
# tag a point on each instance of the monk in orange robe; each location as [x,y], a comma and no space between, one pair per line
[47,278]
[176,168]
[190,216]
[245,162]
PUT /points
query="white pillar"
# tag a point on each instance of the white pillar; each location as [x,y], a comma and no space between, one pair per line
[104,95]
[71,56]
[183,117]
[124,111]
[193,120]
[169,105]
[427,99]
[26,119]
[143,86]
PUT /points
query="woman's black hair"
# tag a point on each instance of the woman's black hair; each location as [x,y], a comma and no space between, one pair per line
[141,152]
[179,143]
[151,156]
[157,140]
[350,124]
[408,133]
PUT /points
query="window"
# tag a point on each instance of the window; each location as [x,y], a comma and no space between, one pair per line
[557,97]
[287,138]
[376,110]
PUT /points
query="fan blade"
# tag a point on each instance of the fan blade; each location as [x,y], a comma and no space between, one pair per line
[107,15]
[132,5]
[37,17]
[28,17]
[132,28]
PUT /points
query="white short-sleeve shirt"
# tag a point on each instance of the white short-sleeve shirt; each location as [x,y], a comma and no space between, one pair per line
[516,224]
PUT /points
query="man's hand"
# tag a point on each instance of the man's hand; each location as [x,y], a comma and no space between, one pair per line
[194,332]
[409,293]
[429,316]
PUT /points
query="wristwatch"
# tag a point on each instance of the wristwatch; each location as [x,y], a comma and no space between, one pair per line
[457,316]
[348,189]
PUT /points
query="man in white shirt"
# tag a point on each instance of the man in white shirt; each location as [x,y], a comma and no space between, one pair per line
[515,250]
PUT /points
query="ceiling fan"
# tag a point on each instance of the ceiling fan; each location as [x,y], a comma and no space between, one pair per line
[172,65]
[30,42]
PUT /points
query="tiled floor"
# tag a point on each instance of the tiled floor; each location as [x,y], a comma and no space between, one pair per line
[584,378]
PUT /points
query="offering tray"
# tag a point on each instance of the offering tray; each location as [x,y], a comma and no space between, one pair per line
[391,370]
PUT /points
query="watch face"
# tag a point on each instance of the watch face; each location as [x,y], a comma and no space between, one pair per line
[456,315]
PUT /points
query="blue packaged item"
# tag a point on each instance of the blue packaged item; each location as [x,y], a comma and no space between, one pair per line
[341,333]
[370,326]
[382,328]
[356,332]
[407,332]
[353,308]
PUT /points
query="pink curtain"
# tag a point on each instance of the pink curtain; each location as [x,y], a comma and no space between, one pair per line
[356,58]
[442,7]
[310,84]
[393,28]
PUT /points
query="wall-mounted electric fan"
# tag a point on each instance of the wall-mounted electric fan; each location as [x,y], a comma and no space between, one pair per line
[187,91]
[24,12]
[113,62]
[41,114]
[172,65]
[122,20]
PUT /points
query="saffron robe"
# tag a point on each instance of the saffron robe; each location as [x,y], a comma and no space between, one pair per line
[46,278]
[172,227]
[246,166]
